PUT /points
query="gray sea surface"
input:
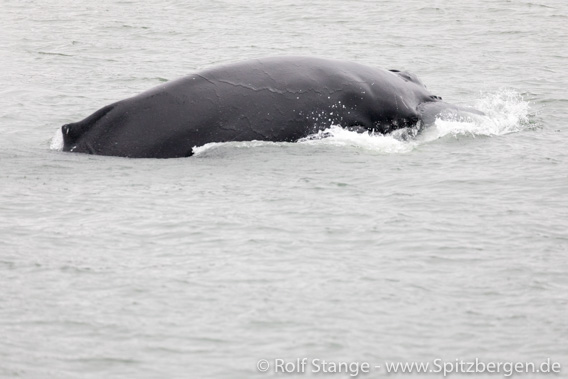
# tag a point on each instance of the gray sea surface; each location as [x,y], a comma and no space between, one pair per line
[355,248]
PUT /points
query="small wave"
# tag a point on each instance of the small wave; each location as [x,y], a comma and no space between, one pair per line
[202,150]
[395,142]
[335,135]
[51,53]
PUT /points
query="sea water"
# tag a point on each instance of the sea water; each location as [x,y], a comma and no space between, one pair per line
[447,246]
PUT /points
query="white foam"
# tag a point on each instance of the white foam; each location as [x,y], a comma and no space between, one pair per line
[199,150]
[337,136]
[56,142]
[505,112]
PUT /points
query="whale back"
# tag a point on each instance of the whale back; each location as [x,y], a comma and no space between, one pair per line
[280,99]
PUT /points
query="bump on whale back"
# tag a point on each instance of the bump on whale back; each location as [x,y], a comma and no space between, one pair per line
[74,131]
[408,77]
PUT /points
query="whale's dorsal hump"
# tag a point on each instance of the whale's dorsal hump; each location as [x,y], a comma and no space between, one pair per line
[409,77]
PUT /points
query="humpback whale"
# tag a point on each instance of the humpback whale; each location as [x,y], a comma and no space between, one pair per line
[269,99]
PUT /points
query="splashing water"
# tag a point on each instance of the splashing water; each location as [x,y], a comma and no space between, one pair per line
[56,142]
[505,112]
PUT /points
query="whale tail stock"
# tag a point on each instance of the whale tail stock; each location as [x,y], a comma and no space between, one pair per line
[74,131]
